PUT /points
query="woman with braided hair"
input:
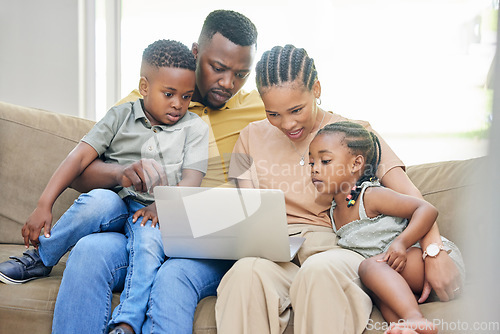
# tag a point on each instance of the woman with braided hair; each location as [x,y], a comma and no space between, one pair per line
[378,223]
[321,283]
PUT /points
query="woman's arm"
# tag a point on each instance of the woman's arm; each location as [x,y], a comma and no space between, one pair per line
[441,273]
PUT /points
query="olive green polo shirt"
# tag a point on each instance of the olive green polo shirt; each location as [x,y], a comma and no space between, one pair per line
[125,136]
[225,125]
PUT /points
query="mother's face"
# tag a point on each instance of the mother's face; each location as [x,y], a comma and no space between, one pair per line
[292,109]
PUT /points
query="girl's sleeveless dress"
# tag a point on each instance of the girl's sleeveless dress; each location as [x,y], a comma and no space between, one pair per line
[371,236]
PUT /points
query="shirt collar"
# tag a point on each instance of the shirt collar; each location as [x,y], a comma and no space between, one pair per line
[138,111]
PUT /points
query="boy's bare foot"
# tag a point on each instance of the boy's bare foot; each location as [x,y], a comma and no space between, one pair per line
[412,326]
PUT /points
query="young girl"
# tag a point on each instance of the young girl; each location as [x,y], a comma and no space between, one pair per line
[344,157]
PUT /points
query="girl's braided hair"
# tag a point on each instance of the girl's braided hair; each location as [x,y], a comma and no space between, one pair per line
[359,141]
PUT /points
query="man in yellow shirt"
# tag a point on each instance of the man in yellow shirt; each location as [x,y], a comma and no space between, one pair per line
[224,55]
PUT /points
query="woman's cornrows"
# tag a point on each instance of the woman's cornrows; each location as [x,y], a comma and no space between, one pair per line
[359,141]
[285,64]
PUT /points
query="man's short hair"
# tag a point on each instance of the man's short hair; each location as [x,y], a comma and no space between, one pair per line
[232,25]
[168,53]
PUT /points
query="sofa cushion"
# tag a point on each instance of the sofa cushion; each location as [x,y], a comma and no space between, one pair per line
[34,143]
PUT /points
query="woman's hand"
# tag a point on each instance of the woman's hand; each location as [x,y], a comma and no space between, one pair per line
[442,275]
[395,256]
[40,218]
[147,213]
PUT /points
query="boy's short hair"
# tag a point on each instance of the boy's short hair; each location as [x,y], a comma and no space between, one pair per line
[234,26]
[168,53]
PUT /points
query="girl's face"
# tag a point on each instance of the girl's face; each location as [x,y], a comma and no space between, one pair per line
[333,167]
[292,109]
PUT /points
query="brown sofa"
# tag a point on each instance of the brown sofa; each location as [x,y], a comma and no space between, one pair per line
[34,142]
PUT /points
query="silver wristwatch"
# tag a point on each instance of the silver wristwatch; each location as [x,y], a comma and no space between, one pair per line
[433,250]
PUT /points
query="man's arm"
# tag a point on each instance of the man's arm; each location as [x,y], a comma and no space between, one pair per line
[143,175]
[97,175]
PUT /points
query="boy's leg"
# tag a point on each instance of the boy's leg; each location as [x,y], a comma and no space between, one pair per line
[146,255]
[97,211]
[96,267]
[178,287]
[100,210]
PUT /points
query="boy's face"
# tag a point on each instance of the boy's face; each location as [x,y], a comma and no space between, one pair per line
[167,92]
[222,69]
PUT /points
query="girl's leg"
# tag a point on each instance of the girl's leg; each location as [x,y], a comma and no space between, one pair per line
[146,255]
[398,299]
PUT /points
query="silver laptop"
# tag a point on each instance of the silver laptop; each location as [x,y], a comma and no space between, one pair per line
[224,223]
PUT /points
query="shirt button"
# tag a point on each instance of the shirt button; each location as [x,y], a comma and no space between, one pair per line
[150,148]
[155,130]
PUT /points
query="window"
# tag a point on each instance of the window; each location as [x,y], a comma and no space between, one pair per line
[416,70]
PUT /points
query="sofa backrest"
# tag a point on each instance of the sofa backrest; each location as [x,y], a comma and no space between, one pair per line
[450,186]
[33,143]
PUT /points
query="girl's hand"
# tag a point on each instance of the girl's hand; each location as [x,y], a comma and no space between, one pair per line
[147,213]
[395,256]
[40,217]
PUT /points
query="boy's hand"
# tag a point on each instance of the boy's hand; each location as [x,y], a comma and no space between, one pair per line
[147,213]
[144,175]
[395,256]
[39,218]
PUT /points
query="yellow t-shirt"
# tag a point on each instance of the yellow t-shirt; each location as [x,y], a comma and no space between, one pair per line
[225,125]
[265,156]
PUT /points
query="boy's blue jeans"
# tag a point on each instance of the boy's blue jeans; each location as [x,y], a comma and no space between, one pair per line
[97,266]
[103,210]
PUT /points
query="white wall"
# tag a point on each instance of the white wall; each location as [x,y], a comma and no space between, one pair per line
[39,54]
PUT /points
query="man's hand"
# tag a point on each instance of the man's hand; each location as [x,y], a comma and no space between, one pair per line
[147,213]
[40,217]
[143,175]
[442,275]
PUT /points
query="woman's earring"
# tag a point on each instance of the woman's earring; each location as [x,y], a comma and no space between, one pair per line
[318,101]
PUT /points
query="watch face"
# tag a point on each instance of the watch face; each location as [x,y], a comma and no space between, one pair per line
[432,250]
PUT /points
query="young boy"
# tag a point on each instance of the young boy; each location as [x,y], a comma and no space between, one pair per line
[158,127]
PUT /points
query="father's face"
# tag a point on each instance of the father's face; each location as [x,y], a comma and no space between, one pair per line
[222,69]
